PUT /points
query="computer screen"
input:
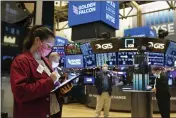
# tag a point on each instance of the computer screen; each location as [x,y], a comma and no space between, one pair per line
[86,49]
[171,50]
[170,61]
[88,80]
[126,58]
[155,58]
[89,61]
[106,58]
[72,49]
[59,49]
[74,61]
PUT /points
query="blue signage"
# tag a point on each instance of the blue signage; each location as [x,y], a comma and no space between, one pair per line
[74,61]
[140,32]
[59,41]
[81,12]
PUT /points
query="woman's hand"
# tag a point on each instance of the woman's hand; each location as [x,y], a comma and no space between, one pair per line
[66,88]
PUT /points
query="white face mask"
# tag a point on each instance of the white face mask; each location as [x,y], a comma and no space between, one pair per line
[54,65]
[105,68]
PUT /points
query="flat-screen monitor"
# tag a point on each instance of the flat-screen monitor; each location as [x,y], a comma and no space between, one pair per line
[156,59]
[89,61]
[89,80]
[74,61]
[73,49]
[59,49]
[86,49]
[106,58]
[126,58]
[171,50]
[170,61]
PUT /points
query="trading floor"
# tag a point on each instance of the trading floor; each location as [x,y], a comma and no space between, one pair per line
[79,110]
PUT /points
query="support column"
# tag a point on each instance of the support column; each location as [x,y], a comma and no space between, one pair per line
[39,10]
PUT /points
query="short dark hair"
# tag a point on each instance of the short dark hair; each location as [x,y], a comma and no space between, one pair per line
[37,31]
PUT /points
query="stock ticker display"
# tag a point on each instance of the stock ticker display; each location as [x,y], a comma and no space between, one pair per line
[89,61]
[59,49]
[155,58]
[86,49]
[72,49]
[106,58]
[126,58]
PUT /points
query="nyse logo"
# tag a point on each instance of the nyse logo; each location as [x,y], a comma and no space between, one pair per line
[74,61]
[129,43]
[104,46]
[156,45]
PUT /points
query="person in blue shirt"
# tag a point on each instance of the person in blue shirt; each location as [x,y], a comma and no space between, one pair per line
[103,83]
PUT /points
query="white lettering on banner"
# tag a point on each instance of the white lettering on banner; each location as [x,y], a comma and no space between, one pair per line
[84,9]
[74,61]
[156,45]
[104,46]
[60,40]
[111,3]
[110,18]
[168,27]
[140,35]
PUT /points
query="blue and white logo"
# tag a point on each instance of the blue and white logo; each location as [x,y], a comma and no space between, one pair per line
[59,41]
[75,10]
[74,61]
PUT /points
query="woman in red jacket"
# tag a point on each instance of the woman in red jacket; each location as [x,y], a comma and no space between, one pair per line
[32,79]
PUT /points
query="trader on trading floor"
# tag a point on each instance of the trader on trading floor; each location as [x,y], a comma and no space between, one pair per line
[161,89]
[103,83]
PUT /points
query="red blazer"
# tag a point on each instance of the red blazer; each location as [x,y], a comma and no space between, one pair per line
[31,89]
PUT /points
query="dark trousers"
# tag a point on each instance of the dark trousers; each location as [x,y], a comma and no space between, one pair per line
[163,101]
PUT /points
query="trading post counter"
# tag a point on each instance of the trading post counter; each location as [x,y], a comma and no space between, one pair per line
[121,101]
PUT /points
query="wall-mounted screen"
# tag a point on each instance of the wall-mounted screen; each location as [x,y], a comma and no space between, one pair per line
[89,61]
[74,61]
[106,58]
[170,61]
[126,58]
[89,80]
[59,49]
[86,49]
[171,50]
[72,49]
[155,58]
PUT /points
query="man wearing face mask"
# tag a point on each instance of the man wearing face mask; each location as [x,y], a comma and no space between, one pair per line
[54,61]
[161,88]
[103,83]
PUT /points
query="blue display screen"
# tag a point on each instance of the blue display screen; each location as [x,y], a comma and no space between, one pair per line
[106,58]
[89,61]
[59,49]
[74,61]
[126,58]
[60,41]
[170,61]
[89,80]
[86,49]
[155,58]
[171,50]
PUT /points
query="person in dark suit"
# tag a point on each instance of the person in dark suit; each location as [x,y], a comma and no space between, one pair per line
[103,83]
[161,88]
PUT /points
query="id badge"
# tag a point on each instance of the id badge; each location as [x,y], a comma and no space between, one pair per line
[40,69]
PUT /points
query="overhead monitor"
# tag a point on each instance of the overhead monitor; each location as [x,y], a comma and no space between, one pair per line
[126,58]
[74,61]
[106,58]
[73,49]
[89,61]
[59,49]
[156,59]
[86,49]
[171,50]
